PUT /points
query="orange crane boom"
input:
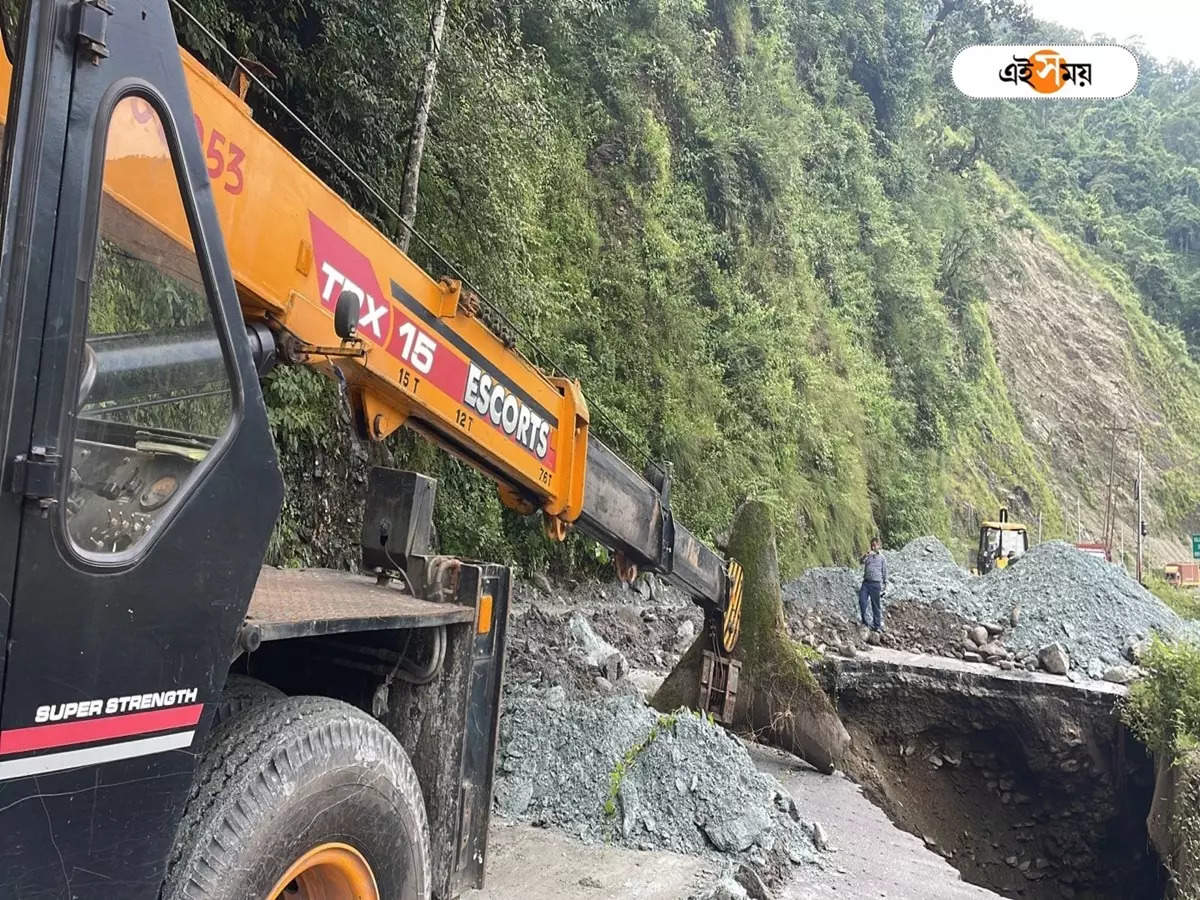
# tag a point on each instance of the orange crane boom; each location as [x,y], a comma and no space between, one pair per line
[420,354]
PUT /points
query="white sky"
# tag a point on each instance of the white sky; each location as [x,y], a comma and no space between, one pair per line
[1169,29]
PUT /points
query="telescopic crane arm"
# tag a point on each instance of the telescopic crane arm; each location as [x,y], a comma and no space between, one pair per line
[337,295]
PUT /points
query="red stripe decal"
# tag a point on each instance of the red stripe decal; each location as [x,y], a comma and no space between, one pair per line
[39,737]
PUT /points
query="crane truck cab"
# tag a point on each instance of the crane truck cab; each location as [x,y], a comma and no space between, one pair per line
[1000,542]
[176,720]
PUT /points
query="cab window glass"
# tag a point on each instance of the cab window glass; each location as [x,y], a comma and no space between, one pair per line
[154,395]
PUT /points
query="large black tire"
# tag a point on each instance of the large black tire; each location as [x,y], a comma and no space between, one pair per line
[286,777]
[242,693]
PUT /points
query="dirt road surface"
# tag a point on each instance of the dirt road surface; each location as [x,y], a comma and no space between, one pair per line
[871,858]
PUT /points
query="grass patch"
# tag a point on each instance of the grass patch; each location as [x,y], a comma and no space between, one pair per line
[1185,601]
[617,776]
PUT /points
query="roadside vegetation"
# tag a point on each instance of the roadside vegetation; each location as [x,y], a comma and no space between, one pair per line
[1163,710]
[1185,601]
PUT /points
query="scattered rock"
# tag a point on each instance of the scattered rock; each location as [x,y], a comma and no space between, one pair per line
[978,635]
[820,839]
[726,888]
[1054,659]
[738,833]
[588,881]
[1120,674]
[1014,617]
[874,639]
[992,651]
[994,628]
[684,635]
[556,697]
[971,656]
[1135,648]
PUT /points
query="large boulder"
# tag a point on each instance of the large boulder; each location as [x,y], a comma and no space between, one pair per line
[1054,659]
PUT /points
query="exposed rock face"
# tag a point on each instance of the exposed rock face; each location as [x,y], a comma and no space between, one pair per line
[1174,821]
[994,764]
[1064,345]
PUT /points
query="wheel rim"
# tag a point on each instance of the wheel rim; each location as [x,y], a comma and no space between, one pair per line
[327,872]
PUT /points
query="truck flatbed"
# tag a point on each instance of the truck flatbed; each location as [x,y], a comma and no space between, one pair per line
[292,603]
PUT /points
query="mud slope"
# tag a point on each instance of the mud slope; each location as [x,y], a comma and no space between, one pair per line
[1076,357]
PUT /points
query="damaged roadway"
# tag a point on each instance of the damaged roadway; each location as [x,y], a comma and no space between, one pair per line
[753,821]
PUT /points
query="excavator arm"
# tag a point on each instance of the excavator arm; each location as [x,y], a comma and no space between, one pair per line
[319,285]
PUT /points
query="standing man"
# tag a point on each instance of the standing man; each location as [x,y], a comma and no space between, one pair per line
[873,586]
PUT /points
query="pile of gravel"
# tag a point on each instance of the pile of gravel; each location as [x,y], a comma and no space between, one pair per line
[1060,594]
[614,770]
[924,571]
[1088,605]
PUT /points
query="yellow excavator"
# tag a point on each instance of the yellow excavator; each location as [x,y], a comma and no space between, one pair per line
[1000,542]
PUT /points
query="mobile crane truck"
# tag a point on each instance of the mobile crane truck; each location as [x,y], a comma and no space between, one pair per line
[160,252]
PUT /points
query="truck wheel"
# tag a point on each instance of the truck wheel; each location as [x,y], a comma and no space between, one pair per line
[242,693]
[304,797]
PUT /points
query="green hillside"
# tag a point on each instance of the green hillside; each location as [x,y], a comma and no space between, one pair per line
[756,232]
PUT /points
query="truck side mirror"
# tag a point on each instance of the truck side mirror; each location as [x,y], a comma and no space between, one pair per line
[345,315]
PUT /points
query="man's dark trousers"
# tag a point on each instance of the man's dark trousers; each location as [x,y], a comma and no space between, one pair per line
[872,591]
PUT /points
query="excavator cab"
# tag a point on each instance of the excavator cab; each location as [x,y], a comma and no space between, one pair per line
[1000,542]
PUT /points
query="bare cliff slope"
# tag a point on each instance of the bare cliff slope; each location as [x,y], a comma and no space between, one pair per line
[1079,358]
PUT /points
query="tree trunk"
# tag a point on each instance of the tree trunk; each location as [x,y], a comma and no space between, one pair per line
[778,698]
[416,140]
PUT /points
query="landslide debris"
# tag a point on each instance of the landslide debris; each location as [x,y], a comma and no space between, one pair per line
[1054,594]
[613,770]
[591,638]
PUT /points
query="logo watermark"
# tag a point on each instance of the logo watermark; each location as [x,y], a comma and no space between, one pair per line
[1034,71]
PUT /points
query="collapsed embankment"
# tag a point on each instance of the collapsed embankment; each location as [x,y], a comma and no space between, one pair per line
[1026,783]
[1174,821]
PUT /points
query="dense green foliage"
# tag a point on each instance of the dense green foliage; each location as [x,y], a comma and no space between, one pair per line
[1163,709]
[751,230]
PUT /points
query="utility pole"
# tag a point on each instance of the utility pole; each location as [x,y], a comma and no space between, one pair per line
[1141,525]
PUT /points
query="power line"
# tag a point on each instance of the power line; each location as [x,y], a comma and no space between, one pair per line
[455,270]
